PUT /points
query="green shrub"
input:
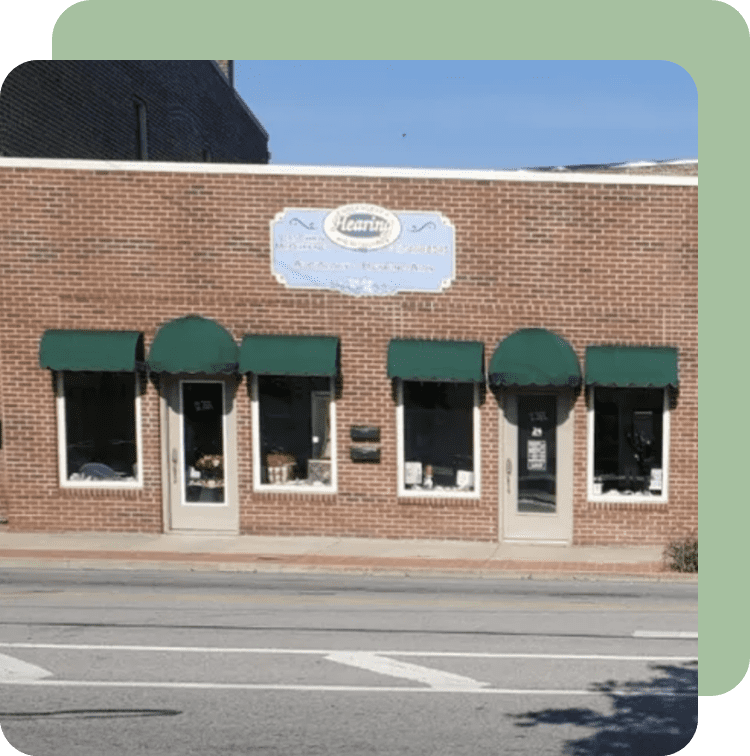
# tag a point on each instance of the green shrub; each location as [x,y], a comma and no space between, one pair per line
[681,554]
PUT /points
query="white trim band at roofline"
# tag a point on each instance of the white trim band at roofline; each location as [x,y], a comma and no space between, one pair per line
[342,171]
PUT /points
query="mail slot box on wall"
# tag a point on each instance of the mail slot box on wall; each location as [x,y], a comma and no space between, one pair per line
[365,433]
[364,453]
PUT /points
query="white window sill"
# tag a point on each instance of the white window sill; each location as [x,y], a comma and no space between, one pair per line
[437,493]
[305,488]
[101,484]
[627,499]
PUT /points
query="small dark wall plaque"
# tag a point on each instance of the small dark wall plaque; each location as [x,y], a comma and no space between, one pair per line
[364,453]
[365,433]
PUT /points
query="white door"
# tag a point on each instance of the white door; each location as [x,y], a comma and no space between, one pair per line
[200,454]
[536,466]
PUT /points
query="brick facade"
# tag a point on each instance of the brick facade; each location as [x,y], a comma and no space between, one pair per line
[90,110]
[92,248]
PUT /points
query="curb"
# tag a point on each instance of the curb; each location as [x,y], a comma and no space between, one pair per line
[403,567]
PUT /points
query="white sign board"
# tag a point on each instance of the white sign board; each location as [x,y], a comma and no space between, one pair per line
[363,250]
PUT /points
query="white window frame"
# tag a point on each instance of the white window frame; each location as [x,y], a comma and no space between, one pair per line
[298,488]
[182,482]
[62,444]
[618,498]
[409,493]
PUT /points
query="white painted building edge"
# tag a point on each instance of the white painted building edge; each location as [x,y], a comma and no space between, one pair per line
[550,176]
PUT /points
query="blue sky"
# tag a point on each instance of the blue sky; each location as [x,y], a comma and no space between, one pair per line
[472,114]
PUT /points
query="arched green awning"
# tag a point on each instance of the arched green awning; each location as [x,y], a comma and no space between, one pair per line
[193,344]
[534,357]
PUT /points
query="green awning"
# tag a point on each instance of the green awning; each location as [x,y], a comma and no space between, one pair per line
[110,351]
[637,366]
[534,357]
[289,355]
[417,360]
[193,344]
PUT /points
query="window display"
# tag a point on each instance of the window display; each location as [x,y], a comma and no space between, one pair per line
[628,442]
[294,414]
[99,420]
[438,436]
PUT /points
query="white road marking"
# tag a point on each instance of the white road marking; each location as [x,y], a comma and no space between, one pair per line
[435,678]
[15,670]
[326,652]
[665,634]
[340,688]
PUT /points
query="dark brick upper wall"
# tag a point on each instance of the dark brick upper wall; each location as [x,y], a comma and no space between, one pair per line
[87,109]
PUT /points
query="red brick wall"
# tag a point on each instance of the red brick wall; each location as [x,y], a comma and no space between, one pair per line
[594,262]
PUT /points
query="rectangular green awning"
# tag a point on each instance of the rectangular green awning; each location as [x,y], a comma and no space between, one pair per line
[289,355]
[457,361]
[636,366]
[108,351]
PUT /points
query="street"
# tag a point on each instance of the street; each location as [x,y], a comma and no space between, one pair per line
[172,662]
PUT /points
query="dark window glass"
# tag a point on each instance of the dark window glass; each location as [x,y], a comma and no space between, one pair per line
[203,448]
[295,430]
[438,435]
[628,425]
[100,426]
[537,453]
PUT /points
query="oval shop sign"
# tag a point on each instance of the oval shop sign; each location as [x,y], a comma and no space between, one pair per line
[362,226]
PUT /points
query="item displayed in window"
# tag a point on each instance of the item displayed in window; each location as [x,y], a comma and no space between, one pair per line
[295,430]
[280,467]
[628,441]
[412,473]
[100,436]
[319,471]
[465,480]
[438,436]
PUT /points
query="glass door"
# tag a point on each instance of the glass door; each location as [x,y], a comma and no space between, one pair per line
[536,465]
[200,457]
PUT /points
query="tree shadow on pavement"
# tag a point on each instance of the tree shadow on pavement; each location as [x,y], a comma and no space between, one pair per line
[648,718]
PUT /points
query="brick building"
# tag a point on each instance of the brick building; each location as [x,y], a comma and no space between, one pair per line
[162,110]
[357,352]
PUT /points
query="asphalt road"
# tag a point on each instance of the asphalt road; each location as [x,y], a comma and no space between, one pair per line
[168,663]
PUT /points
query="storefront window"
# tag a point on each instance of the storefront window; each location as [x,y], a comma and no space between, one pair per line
[98,417]
[438,437]
[295,425]
[628,442]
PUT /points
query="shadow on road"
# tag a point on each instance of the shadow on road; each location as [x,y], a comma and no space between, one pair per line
[649,718]
[88,713]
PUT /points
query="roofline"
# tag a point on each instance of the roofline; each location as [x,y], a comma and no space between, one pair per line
[242,102]
[146,166]
[611,166]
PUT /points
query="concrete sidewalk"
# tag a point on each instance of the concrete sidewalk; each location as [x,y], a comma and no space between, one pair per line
[327,554]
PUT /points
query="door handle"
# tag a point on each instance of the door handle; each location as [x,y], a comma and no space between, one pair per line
[174,465]
[508,471]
